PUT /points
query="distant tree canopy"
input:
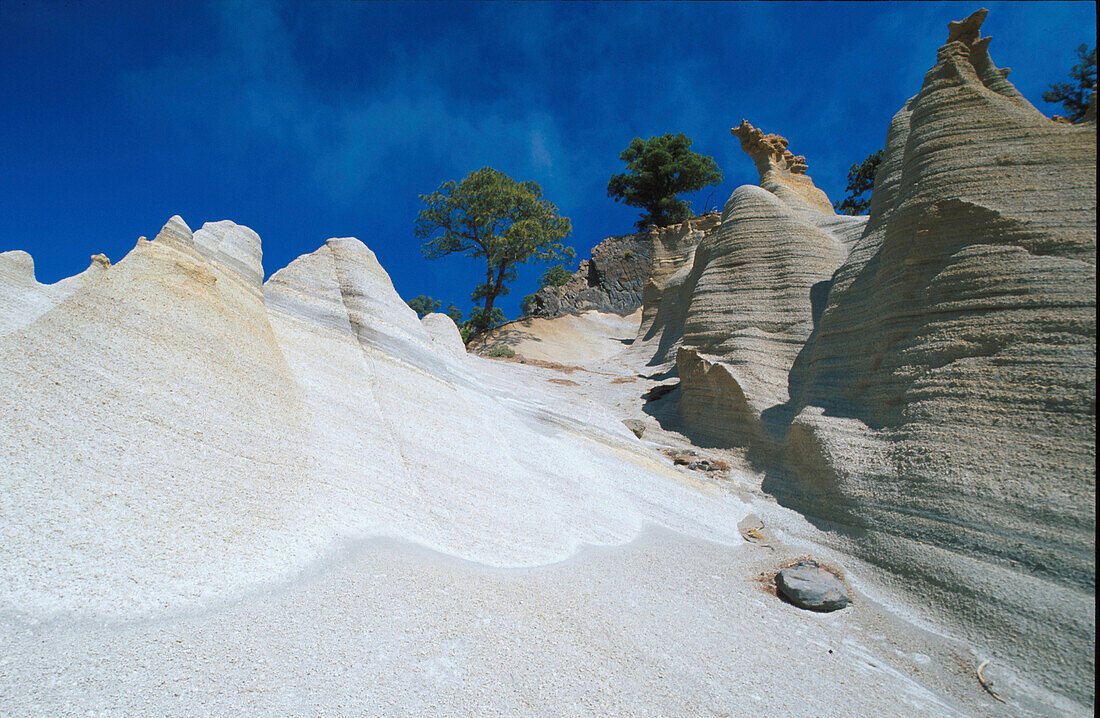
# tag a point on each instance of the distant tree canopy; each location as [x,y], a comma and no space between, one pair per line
[424,305]
[861,180]
[456,316]
[555,276]
[1075,96]
[491,216]
[659,169]
[529,304]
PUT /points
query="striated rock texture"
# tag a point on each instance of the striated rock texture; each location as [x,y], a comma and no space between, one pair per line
[742,314]
[946,401]
[23,299]
[175,432]
[613,280]
[665,296]
[146,418]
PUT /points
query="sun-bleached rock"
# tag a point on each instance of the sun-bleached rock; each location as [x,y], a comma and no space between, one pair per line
[173,434]
[749,301]
[444,333]
[233,245]
[946,402]
[342,287]
[145,453]
[23,299]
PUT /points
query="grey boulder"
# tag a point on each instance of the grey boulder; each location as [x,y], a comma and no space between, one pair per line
[808,585]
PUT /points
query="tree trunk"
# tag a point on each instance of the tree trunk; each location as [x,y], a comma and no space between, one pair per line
[495,287]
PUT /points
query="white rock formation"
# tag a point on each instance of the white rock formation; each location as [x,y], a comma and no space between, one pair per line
[23,299]
[747,305]
[177,432]
[444,333]
[947,401]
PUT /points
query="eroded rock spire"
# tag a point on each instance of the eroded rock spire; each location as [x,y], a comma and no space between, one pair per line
[781,171]
[769,152]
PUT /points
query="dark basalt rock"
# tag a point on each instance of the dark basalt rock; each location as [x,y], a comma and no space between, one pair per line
[612,281]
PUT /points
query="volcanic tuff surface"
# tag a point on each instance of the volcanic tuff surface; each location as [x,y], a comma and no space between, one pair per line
[219,495]
[245,427]
[923,387]
[947,400]
[750,295]
[920,384]
[224,497]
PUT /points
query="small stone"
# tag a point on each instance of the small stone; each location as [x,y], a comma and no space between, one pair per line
[808,585]
[636,426]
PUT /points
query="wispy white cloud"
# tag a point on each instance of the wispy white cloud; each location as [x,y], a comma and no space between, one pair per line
[253,94]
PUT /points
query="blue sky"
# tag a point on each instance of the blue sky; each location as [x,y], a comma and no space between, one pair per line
[312,120]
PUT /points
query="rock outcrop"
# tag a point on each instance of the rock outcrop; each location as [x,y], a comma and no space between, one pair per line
[175,431]
[23,299]
[781,172]
[747,306]
[666,295]
[149,431]
[946,404]
[613,280]
[925,390]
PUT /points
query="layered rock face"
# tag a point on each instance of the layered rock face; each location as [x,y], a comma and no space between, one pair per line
[176,431]
[666,294]
[748,301]
[147,421]
[929,395]
[23,299]
[946,403]
[781,172]
[613,281]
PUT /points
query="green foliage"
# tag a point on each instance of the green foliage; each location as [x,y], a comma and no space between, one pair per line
[489,215]
[424,305]
[555,276]
[455,314]
[659,169]
[1075,96]
[529,304]
[461,322]
[861,181]
[479,321]
[501,352]
[628,254]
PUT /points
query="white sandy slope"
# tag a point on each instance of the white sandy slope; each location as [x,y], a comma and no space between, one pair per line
[664,626]
[221,498]
[585,338]
[175,431]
